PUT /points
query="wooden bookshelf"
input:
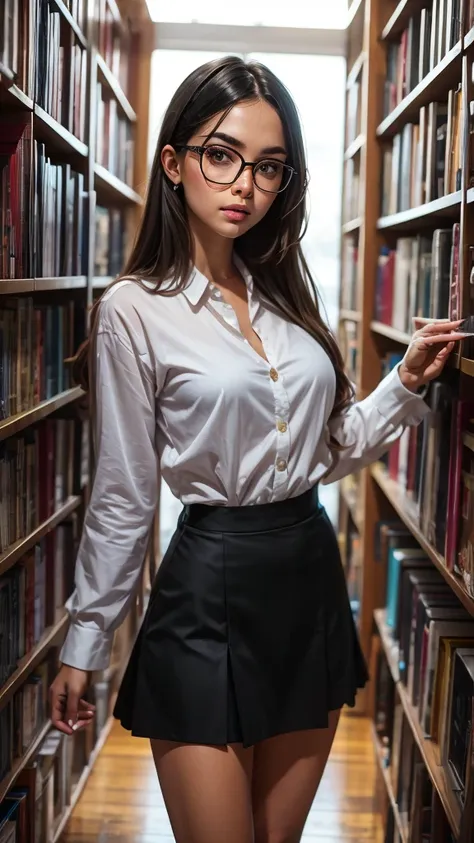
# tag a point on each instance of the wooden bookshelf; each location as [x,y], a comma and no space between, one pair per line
[13,553]
[391,333]
[428,749]
[68,140]
[388,118]
[378,750]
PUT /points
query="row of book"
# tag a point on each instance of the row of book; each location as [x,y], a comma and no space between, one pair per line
[351,207]
[113,42]
[35,805]
[349,262]
[434,464]
[61,71]
[35,342]
[110,240]
[114,146]
[424,160]
[419,277]
[42,206]
[431,33]
[349,344]
[432,644]
[32,596]
[420,812]
[36,476]
[353,112]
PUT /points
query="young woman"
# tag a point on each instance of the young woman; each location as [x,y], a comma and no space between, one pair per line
[211,364]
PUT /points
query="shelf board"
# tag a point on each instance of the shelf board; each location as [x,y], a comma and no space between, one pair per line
[400,18]
[446,207]
[13,553]
[114,86]
[72,22]
[436,84]
[346,315]
[100,282]
[111,189]
[20,763]
[428,749]
[469,39]
[470,196]
[62,282]
[354,147]
[402,828]
[467,367]
[353,11]
[31,660]
[390,332]
[356,69]
[352,225]
[389,645]
[52,132]
[406,511]
[58,831]
[14,286]
[10,93]
[13,425]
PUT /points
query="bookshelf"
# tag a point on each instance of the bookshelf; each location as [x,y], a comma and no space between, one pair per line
[407,247]
[74,92]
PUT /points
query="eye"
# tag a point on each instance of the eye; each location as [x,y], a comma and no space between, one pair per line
[270,169]
[220,156]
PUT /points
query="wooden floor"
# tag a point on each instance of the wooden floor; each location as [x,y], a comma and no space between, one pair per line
[121,802]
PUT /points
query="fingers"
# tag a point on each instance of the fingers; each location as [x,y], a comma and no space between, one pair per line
[424,324]
[72,708]
[428,340]
[58,709]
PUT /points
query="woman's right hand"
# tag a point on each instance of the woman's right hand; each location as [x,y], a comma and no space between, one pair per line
[69,712]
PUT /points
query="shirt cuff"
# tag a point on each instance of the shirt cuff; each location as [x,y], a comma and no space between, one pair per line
[398,404]
[87,649]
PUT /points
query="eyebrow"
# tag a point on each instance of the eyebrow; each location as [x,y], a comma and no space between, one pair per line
[269,150]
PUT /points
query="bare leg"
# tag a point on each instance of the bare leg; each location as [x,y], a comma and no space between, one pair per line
[207,791]
[286,775]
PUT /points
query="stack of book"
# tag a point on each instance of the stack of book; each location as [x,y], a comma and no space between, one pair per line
[419,277]
[424,161]
[431,33]
[35,341]
[36,477]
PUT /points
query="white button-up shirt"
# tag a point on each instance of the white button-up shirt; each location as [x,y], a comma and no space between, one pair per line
[180,391]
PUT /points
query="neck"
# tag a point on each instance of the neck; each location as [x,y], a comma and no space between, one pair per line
[212,253]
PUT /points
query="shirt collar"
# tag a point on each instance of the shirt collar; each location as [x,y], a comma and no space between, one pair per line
[198,283]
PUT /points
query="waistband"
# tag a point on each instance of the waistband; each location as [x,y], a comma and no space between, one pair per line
[251,518]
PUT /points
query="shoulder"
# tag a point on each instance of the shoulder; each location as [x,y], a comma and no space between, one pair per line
[123,311]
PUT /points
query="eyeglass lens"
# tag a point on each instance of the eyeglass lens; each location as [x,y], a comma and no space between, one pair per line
[221,165]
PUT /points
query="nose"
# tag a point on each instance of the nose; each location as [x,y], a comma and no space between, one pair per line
[243,186]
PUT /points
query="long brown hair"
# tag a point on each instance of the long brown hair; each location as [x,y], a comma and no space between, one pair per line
[272,252]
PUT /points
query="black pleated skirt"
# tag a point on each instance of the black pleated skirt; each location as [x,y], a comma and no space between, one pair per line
[248,632]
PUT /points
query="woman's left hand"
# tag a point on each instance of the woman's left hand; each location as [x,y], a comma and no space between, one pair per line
[428,351]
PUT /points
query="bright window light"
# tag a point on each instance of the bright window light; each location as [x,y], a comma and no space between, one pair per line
[318,15]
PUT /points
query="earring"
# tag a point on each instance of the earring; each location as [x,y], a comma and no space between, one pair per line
[175,187]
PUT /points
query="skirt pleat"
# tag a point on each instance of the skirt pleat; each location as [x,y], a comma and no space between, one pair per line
[248,632]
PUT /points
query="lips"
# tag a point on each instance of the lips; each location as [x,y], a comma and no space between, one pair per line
[235,213]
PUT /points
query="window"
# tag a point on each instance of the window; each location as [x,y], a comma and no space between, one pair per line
[318,14]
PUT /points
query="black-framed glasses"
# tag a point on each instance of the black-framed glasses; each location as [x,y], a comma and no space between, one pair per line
[223,165]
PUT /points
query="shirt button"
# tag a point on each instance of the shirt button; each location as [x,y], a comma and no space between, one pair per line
[281,465]
[274,374]
[282,426]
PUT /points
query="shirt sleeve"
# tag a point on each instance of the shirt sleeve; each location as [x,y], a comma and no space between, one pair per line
[367,429]
[122,503]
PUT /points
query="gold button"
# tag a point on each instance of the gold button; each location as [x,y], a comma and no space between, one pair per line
[281,465]
[274,374]
[282,426]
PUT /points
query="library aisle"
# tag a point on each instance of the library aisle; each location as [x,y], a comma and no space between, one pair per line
[121,802]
